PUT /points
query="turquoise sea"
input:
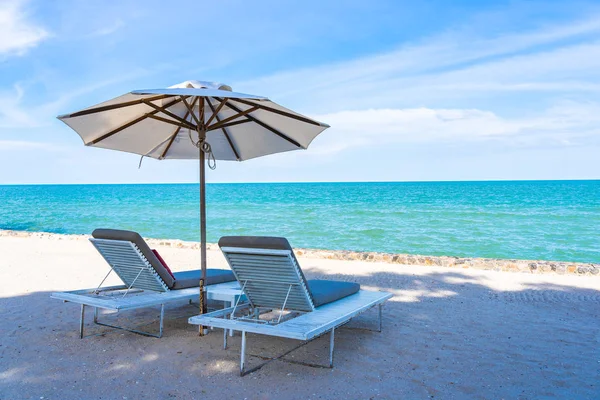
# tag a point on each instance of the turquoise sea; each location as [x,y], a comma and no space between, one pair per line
[551,220]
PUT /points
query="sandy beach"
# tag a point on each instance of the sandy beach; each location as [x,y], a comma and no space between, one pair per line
[447,333]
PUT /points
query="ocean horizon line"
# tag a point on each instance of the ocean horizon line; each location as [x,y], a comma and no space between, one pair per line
[306,182]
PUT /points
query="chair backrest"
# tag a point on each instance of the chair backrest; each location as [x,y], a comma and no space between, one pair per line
[128,262]
[142,246]
[268,271]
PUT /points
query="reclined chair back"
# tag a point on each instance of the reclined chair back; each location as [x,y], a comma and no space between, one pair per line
[268,272]
[128,262]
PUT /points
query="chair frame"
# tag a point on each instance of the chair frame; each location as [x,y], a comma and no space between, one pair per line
[143,287]
[266,292]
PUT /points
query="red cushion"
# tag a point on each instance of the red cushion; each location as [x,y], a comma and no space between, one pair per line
[163,262]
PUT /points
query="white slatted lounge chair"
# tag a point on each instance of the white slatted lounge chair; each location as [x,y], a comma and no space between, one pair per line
[271,279]
[147,282]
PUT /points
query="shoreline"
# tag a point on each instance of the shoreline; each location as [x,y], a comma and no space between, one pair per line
[494,264]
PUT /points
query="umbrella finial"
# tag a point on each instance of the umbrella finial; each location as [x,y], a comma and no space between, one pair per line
[202,85]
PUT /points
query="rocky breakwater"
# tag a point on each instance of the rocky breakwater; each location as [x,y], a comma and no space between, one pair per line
[495,264]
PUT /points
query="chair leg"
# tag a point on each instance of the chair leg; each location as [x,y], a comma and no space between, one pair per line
[162,317]
[225,338]
[243,354]
[331,347]
[231,303]
[375,329]
[81,321]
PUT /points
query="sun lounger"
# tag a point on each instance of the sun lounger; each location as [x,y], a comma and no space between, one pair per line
[148,281]
[281,302]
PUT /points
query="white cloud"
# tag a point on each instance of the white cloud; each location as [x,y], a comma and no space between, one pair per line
[12,114]
[17,33]
[109,29]
[17,113]
[440,91]
[565,124]
[459,64]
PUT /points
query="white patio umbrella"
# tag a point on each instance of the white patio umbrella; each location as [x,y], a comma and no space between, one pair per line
[194,120]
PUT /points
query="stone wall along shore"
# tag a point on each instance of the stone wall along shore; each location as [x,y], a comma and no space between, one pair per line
[495,264]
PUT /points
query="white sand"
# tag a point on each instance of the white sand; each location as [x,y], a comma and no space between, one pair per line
[448,333]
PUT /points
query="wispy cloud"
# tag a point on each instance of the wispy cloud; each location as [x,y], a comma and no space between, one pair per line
[17,32]
[567,124]
[13,114]
[454,64]
[442,89]
[17,113]
[108,29]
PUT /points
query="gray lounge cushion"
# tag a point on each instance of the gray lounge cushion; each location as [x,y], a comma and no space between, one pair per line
[188,279]
[255,242]
[135,238]
[321,291]
[324,291]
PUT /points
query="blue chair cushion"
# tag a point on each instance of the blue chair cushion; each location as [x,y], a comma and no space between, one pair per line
[324,292]
[188,279]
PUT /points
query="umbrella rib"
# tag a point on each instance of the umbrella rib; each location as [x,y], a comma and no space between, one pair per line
[215,112]
[228,124]
[167,112]
[187,125]
[113,106]
[191,110]
[233,117]
[125,126]
[174,135]
[201,112]
[280,112]
[216,115]
[268,127]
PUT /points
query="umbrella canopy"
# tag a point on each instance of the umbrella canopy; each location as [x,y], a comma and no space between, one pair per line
[194,120]
[157,123]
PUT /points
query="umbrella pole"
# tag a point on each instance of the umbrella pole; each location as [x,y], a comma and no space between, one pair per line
[203,309]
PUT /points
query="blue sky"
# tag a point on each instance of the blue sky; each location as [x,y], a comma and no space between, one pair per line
[462,90]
